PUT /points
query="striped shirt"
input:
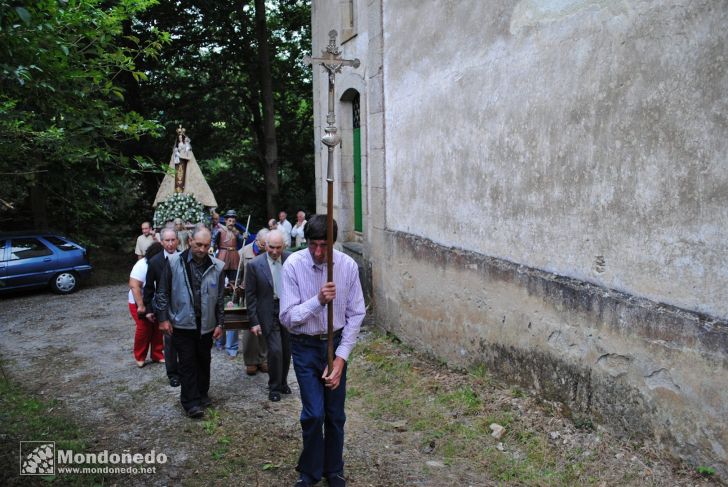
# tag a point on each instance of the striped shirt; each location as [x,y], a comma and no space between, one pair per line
[301,311]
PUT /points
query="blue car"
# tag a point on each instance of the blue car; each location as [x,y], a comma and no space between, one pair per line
[31,260]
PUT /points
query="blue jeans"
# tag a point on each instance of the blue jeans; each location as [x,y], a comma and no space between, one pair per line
[231,342]
[322,416]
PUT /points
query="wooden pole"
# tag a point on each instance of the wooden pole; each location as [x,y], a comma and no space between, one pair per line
[330,262]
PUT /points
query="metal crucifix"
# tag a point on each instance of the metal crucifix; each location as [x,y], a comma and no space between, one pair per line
[332,62]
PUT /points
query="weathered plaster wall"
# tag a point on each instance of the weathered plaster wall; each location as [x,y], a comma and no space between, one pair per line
[641,368]
[577,149]
[587,138]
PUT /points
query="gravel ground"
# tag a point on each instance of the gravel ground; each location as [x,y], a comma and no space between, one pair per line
[76,349]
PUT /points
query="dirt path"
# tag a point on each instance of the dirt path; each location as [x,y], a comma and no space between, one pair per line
[77,349]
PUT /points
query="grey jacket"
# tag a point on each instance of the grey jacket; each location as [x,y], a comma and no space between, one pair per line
[173,300]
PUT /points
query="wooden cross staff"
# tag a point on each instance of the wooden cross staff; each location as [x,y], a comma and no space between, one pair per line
[332,62]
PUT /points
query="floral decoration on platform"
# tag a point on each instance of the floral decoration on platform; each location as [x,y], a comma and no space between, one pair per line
[179,205]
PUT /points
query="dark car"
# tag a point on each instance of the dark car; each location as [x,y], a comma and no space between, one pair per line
[30,260]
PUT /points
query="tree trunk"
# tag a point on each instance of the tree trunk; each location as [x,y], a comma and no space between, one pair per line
[269,125]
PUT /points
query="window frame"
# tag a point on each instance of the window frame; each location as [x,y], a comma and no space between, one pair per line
[11,251]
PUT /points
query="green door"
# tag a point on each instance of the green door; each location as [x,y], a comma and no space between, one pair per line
[357,166]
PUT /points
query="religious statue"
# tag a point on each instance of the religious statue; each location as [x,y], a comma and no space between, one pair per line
[182,146]
[184,174]
[180,155]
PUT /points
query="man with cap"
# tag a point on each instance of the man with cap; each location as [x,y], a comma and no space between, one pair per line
[226,244]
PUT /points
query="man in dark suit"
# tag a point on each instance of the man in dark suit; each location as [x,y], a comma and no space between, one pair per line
[154,272]
[262,288]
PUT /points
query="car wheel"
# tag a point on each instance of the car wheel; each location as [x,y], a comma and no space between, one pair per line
[64,282]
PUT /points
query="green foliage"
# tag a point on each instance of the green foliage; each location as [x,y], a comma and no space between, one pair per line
[179,205]
[61,114]
[705,471]
[88,87]
[207,79]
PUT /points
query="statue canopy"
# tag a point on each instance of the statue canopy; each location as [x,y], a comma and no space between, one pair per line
[186,176]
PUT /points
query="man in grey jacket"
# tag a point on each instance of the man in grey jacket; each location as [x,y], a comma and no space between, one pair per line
[190,307]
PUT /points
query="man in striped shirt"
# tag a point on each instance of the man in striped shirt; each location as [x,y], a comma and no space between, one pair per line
[303,312]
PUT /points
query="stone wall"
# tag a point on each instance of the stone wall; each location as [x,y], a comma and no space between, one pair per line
[546,192]
[640,368]
[586,138]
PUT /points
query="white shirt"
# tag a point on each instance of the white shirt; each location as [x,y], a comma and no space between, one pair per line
[285,228]
[138,272]
[297,233]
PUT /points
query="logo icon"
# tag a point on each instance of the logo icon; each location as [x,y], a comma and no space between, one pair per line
[37,457]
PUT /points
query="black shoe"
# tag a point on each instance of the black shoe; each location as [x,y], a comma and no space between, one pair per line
[195,412]
[174,381]
[336,480]
[205,402]
[274,396]
[301,483]
[285,389]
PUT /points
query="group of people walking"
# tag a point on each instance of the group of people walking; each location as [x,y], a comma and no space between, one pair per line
[286,295]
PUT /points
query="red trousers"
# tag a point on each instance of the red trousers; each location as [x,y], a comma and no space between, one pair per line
[147,338]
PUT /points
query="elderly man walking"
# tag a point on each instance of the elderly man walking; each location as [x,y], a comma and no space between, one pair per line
[190,307]
[303,312]
[262,296]
[154,273]
[255,349]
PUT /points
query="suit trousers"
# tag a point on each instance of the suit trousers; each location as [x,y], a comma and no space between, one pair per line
[170,358]
[194,352]
[279,355]
[255,348]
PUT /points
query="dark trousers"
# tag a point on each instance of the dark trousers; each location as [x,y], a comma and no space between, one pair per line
[279,356]
[322,416]
[194,354]
[170,357]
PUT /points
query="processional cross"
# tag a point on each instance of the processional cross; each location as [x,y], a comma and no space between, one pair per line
[332,62]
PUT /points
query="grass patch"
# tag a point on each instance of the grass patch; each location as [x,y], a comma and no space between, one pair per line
[583,422]
[211,422]
[463,399]
[450,413]
[516,392]
[25,417]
